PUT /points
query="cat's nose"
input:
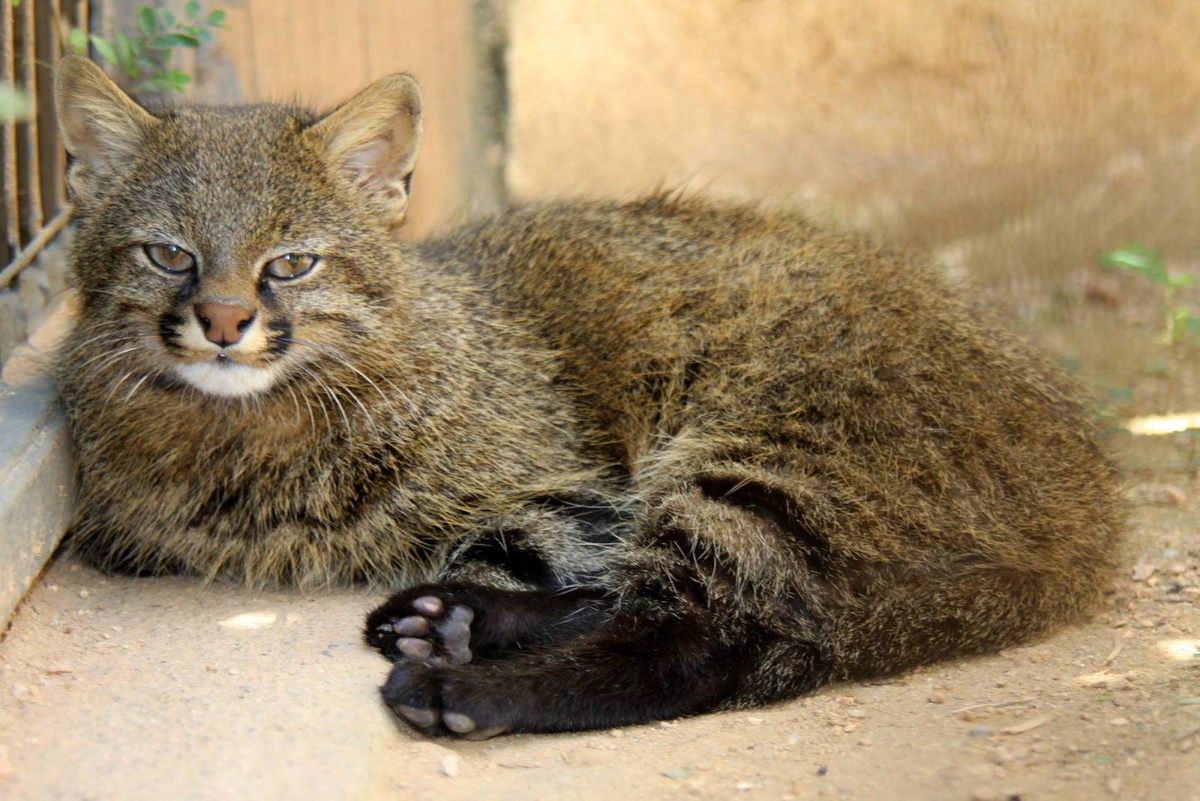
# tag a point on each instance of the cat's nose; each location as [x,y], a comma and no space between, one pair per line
[223,323]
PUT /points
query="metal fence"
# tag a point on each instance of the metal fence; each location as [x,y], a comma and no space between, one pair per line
[33,205]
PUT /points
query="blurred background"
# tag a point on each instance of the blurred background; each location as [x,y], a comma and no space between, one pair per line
[1046,151]
[1017,141]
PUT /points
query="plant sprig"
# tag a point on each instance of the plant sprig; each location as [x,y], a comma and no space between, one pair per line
[1141,260]
[144,56]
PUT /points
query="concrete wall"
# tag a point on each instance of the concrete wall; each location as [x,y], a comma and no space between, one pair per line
[1002,131]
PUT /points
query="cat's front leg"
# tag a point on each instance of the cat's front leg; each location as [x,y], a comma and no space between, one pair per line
[456,623]
[635,669]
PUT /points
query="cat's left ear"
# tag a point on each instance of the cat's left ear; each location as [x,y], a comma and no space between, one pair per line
[372,140]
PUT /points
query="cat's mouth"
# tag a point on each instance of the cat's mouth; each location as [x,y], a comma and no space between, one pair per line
[224,376]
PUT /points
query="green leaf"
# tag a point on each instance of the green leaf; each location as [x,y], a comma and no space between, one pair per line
[104,48]
[178,79]
[166,18]
[14,104]
[170,40]
[126,55]
[191,9]
[200,34]
[1139,259]
[1192,324]
[216,18]
[1180,281]
[146,21]
[78,41]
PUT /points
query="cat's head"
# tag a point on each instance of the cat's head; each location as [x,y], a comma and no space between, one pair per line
[224,249]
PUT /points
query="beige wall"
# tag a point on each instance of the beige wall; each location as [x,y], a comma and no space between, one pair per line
[1000,130]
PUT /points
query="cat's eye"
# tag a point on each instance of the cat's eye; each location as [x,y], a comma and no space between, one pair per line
[291,265]
[171,258]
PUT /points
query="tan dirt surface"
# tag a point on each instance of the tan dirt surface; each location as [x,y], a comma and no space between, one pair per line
[114,688]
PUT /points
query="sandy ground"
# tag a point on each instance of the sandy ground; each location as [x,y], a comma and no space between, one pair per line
[162,688]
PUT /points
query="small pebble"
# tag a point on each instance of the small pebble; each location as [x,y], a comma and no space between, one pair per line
[758,721]
[937,697]
[857,713]
[1114,786]
[1141,571]
[1119,722]
[744,786]
[822,770]
[984,794]
[616,733]
[84,593]
[980,731]
[450,765]
[866,741]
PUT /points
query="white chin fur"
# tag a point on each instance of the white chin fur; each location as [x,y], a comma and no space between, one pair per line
[227,380]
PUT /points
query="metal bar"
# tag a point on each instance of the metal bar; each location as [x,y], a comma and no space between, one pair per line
[33,192]
[8,133]
[26,256]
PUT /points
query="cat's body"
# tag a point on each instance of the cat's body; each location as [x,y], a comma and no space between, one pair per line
[642,459]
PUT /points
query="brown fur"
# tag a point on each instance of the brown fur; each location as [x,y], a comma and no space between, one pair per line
[812,448]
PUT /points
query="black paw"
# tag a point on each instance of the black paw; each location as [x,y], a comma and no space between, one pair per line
[434,698]
[423,623]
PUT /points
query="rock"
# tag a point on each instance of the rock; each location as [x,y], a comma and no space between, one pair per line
[449,765]
[857,713]
[1119,722]
[1114,786]
[1141,571]
[937,697]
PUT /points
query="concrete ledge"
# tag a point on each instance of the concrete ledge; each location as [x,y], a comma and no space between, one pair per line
[37,485]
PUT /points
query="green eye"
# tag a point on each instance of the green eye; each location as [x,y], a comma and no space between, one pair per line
[291,265]
[171,258]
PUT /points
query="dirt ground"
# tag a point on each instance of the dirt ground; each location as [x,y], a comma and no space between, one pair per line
[160,688]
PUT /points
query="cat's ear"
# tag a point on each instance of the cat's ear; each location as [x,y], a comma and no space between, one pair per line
[372,140]
[100,125]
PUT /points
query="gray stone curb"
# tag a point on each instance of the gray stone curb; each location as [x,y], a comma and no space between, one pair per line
[37,486]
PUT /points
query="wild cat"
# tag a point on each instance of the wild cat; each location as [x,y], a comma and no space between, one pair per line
[621,461]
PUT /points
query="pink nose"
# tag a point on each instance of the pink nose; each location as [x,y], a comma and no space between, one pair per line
[223,323]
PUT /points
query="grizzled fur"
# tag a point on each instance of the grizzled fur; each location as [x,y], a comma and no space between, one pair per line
[625,461]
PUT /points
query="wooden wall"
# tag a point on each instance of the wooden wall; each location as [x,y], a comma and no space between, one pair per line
[319,52]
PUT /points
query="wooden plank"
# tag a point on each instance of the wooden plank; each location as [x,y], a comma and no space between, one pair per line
[33,184]
[8,134]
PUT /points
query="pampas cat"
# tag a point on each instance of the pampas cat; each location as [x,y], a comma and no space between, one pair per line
[621,461]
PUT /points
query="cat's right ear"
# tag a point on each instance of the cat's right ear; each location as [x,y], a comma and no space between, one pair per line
[101,127]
